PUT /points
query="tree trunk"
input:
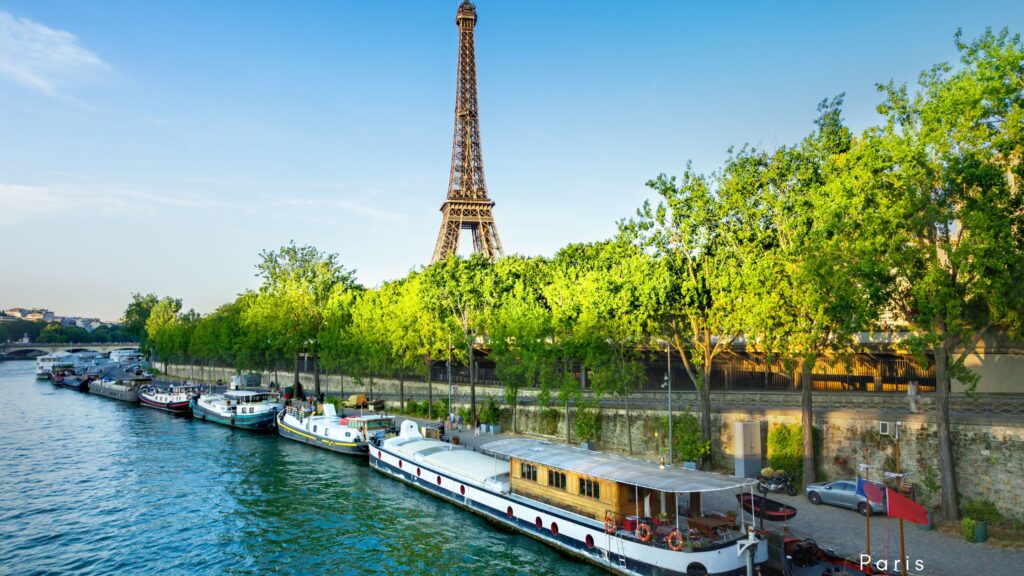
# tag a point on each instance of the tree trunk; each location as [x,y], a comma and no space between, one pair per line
[807,420]
[472,382]
[629,425]
[947,466]
[401,391]
[568,424]
[704,390]
[316,373]
[430,393]
[369,392]
[298,383]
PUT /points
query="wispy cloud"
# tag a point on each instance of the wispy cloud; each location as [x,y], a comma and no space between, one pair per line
[42,58]
[312,204]
[18,201]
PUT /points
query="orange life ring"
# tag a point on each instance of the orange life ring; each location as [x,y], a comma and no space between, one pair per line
[643,533]
[675,541]
[609,524]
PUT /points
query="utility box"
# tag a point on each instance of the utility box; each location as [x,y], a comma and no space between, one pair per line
[747,449]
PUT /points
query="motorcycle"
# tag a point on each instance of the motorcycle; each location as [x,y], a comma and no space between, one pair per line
[776,482]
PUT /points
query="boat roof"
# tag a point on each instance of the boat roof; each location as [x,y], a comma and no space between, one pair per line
[465,463]
[370,417]
[614,467]
[244,393]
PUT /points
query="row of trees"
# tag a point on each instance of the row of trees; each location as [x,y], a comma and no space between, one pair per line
[792,251]
[56,332]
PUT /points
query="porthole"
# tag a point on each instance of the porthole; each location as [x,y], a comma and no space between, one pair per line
[417,472]
[590,541]
[509,513]
[378,453]
[696,569]
[462,490]
[438,480]
[554,529]
[539,523]
[399,463]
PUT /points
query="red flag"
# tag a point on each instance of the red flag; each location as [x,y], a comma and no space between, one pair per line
[873,492]
[905,508]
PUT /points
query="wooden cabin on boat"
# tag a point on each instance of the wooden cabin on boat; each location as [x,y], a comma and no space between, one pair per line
[611,488]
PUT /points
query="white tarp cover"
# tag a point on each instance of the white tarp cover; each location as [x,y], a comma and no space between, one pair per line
[613,467]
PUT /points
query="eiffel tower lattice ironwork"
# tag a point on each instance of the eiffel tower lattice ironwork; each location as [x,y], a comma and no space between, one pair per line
[467,206]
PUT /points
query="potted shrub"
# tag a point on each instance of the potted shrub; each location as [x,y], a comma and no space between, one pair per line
[455,440]
[974,530]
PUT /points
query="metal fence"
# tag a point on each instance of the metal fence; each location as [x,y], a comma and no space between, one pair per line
[752,372]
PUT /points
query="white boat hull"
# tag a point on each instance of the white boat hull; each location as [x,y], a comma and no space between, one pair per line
[577,535]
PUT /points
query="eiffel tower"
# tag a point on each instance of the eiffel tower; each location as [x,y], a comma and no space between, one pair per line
[467,206]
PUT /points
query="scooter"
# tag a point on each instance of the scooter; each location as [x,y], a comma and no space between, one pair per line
[776,482]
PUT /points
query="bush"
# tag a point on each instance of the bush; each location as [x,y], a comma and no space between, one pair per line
[982,511]
[587,423]
[337,402]
[549,421]
[786,450]
[687,445]
[968,525]
[490,414]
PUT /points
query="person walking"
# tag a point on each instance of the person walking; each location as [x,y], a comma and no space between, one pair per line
[460,422]
[476,425]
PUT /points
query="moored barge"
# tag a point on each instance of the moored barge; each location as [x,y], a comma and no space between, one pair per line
[173,399]
[347,435]
[610,510]
[247,409]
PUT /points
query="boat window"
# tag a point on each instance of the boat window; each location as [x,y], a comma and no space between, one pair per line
[590,488]
[556,479]
[528,471]
[314,428]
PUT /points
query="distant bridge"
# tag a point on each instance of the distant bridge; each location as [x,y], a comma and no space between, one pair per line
[18,350]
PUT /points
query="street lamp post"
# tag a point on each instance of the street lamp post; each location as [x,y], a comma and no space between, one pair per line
[449,368]
[668,383]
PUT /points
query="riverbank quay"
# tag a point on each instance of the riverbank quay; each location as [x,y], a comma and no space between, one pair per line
[988,430]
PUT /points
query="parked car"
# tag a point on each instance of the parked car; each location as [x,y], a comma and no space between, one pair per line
[841,493]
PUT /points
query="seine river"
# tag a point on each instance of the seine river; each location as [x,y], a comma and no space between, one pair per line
[92,485]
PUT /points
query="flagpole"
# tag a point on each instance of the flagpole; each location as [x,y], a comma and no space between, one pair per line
[903,547]
[867,512]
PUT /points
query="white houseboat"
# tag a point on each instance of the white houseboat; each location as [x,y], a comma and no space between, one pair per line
[249,409]
[626,515]
[48,363]
[347,435]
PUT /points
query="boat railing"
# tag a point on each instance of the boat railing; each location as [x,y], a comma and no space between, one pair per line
[295,413]
[672,533]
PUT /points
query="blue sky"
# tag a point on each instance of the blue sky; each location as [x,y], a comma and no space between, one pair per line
[159,147]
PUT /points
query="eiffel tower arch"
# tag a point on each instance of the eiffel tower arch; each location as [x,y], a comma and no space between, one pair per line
[467,206]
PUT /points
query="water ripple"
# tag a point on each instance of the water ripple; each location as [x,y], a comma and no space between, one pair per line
[97,486]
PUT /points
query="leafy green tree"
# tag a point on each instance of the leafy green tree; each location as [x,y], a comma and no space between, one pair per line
[137,314]
[458,292]
[951,157]
[290,307]
[690,233]
[162,332]
[519,327]
[809,230]
[416,336]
